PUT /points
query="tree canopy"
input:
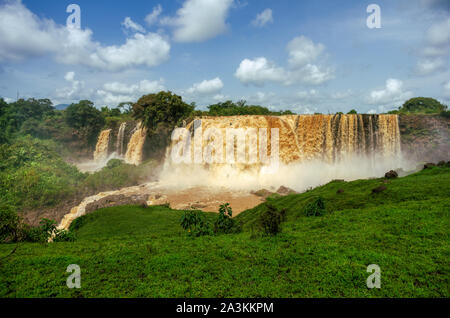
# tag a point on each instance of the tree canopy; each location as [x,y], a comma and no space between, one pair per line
[422,105]
[163,107]
[87,119]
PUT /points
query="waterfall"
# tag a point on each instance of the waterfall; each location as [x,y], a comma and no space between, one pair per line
[134,154]
[312,150]
[120,137]
[102,147]
[329,138]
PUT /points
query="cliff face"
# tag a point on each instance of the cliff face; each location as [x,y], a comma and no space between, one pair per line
[425,137]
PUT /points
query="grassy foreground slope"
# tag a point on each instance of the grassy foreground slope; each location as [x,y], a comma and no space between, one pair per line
[143,252]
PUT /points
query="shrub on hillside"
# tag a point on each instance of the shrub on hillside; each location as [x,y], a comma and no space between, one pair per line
[9,224]
[316,207]
[270,220]
[224,224]
[195,224]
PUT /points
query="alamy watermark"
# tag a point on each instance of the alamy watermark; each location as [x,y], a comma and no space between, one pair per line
[74,19]
[74,279]
[374,280]
[374,19]
[237,145]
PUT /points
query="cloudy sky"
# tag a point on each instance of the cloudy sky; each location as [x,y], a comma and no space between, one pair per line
[306,56]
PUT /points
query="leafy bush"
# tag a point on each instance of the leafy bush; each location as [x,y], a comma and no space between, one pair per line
[64,236]
[445,113]
[9,224]
[271,219]
[195,224]
[224,224]
[316,207]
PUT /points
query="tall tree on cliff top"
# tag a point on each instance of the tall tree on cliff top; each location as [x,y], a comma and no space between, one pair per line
[160,113]
[86,120]
[161,109]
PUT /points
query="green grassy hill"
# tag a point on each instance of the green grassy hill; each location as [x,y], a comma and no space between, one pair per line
[143,252]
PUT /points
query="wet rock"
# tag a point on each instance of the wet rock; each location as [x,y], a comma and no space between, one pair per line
[198,206]
[116,200]
[157,199]
[285,191]
[379,189]
[391,174]
[429,165]
[263,193]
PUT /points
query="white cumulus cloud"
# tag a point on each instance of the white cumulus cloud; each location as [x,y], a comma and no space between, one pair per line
[391,94]
[130,24]
[436,49]
[199,20]
[153,16]
[113,93]
[24,35]
[259,71]
[75,91]
[263,18]
[207,87]
[302,67]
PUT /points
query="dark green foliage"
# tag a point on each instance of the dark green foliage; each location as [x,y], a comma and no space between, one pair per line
[64,236]
[229,108]
[224,224]
[86,119]
[422,105]
[22,114]
[12,229]
[316,207]
[9,224]
[32,174]
[445,113]
[270,220]
[352,112]
[195,224]
[113,163]
[161,108]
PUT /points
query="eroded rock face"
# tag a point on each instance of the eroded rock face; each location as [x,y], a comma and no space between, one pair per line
[263,193]
[285,191]
[425,138]
[116,200]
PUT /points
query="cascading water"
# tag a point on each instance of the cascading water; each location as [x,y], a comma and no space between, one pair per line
[102,147]
[134,154]
[313,149]
[120,139]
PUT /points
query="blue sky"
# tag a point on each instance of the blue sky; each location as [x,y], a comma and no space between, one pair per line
[306,56]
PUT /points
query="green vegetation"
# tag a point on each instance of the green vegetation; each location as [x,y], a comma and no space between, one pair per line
[421,105]
[34,175]
[144,252]
[229,108]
